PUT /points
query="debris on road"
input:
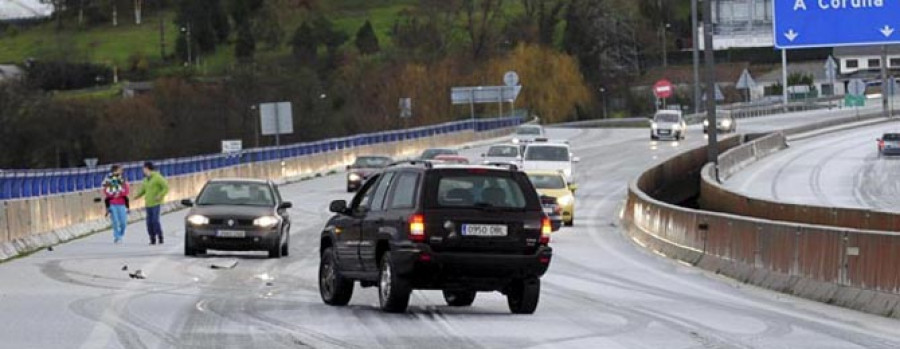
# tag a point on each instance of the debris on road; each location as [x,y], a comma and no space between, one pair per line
[230,264]
[138,275]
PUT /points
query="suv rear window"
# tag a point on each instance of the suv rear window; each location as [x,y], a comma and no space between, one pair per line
[892,137]
[503,151]
[465,189]
[547,153]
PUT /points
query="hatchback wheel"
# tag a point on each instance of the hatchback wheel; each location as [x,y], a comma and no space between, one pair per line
[334,288]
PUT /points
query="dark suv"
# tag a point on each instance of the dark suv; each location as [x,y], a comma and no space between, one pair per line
[459,229]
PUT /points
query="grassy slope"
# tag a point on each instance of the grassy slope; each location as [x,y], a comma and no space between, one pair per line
[113,45]
[103,44]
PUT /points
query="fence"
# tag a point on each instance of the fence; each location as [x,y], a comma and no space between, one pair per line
[32,183]
[62,212]
[853,268]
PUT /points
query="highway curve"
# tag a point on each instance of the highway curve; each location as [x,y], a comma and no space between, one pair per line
[602,291]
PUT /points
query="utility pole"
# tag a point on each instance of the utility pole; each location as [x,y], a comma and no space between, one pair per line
[696,51]
[886,112]
[709,57]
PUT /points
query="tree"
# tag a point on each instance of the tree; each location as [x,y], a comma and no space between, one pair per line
[481,20]
[245,46]
[366,40]
[207,23]
[304,45]
[546,15]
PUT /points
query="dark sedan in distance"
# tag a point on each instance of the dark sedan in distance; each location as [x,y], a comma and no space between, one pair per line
[238,215]
[889,144]
[363,168]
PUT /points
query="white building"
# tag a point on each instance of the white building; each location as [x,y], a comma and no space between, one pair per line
[741,24]
[24,9]
[865,59]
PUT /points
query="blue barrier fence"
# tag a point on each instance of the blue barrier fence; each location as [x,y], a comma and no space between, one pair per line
[18,184]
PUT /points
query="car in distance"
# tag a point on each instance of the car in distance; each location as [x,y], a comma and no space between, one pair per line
[668,124]
[362,168]
[458,229]
[549,157]
[500,153]
[452,159]
[724,124]
[889,144]
[238,215]
[554,184]
[430,154]
[528,134]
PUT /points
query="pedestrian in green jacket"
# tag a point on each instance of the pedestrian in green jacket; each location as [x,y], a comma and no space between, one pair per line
[154,190]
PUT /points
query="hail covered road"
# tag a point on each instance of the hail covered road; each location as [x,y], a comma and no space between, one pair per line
[602,291]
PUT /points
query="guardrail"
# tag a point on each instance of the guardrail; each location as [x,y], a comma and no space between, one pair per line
[853,268]
[16,184]
[30,223]
[715,197]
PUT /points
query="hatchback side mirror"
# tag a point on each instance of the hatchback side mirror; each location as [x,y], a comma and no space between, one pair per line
[187,203]
[338,206]
[285,205]
[573,187]
[576,159]
[483,155]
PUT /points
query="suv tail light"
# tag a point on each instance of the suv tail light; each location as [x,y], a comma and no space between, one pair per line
[546,230]
[417,228]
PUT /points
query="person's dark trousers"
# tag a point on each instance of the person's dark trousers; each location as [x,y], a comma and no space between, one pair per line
[154,228]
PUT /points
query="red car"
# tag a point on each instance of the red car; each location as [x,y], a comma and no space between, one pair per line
[452,159]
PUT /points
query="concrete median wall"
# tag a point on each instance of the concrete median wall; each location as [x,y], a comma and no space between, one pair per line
[853,268]
[30,224]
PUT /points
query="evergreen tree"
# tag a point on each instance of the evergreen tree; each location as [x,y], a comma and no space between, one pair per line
[366,40]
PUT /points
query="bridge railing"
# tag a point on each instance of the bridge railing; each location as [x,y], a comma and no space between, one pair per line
[17,184]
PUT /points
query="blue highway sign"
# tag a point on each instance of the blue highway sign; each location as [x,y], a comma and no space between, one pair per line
[830,23]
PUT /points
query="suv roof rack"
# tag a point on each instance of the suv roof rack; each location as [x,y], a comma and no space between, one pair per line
[426,163]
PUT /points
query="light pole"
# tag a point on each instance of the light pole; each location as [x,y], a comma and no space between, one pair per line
[696,53]
[709,57]
[256,122]
[603,98]
[665,53]
[188,43]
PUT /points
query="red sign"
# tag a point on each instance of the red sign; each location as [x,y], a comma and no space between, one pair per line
[663,89]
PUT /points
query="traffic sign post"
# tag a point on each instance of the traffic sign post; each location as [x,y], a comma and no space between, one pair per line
[856,94]
[663,89]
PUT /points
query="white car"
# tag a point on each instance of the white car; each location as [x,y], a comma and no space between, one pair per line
[503,153]
[549,157]
[668,124]
[528,134]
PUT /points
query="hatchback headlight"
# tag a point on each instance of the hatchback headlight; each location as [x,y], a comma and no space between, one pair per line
[706,123]
[653,125]
[726,123]
[566,200]
[198,219]
[353,177]
[266,221]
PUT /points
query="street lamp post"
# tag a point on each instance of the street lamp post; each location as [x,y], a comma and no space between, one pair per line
[603,98]
[188,43]
[665,52]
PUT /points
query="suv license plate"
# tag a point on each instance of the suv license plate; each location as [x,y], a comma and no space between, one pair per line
[484,230]
[231,234]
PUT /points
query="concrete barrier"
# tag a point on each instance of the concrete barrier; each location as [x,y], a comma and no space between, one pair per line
[853,268]
[33,223]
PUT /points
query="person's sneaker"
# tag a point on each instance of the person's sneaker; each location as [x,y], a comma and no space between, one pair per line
[152,243]
[116,241]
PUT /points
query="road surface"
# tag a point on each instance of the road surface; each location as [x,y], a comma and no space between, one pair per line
[836,170]
[601,291]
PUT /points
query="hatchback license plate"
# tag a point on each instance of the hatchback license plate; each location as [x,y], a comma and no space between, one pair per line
[231,234]
[484,230]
